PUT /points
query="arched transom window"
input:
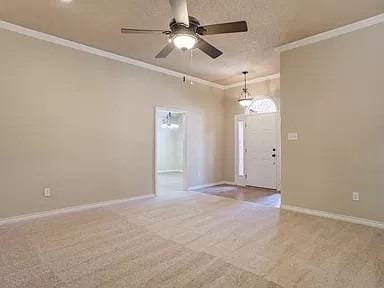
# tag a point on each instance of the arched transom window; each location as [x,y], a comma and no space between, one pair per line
[262,106]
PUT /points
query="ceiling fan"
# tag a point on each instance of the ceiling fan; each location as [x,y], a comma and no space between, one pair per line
[185,31]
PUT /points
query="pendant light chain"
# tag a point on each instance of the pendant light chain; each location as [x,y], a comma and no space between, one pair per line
[245,78]
[245,99]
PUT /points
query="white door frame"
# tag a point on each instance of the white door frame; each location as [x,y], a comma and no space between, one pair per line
[241,181]
[159,109]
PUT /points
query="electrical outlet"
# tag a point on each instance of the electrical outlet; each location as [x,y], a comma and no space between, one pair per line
[198,173]
[355,196]
[47,192]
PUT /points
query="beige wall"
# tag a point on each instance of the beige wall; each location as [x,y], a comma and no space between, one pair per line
[332,94]
[269,88]
[84,126]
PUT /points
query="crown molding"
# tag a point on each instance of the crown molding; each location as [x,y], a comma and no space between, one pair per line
[252,81]
[332,33]
[95,51]
[91,50]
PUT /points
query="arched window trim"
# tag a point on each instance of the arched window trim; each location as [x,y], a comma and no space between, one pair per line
[258,98]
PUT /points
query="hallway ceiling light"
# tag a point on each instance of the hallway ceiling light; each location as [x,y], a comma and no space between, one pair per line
[169,122]
[245,98]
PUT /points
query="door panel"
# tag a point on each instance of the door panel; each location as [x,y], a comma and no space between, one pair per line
[261,139]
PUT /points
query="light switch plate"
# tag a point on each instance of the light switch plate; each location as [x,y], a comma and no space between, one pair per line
[47,192]
[293,136]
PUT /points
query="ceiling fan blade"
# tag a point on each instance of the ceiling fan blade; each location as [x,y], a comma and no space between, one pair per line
[208,49]
[166,51]
[180,11]
[142,31]
[230,27]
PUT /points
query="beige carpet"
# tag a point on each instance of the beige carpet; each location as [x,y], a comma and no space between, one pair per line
[190,240]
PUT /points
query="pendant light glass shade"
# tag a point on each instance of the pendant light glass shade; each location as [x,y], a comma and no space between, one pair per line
[245,102]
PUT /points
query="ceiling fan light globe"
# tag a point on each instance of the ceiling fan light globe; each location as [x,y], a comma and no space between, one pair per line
[184,41]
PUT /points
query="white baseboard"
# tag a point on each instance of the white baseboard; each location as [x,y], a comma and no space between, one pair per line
[210,185]
[170,171]
[71,209]
[345,218]
[229,183]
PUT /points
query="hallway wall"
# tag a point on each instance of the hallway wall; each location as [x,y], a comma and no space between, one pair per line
[170,145]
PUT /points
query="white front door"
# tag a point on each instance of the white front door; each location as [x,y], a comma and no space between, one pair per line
[261,150]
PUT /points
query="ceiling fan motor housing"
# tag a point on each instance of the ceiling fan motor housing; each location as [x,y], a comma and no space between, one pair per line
[180,28]
[184,37]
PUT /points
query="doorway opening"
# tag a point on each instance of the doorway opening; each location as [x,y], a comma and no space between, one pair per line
[257,151]
[170,167]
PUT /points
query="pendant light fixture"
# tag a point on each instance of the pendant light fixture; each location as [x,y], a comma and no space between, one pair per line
[170,122]
[245,98]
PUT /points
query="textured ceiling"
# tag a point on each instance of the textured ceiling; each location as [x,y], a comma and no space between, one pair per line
[271,23]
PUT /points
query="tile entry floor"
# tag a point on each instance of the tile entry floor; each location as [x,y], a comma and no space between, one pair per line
[260,196]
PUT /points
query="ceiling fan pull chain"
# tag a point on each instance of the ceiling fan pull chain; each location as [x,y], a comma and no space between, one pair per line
[190,64]
[185,65]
